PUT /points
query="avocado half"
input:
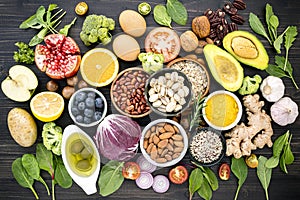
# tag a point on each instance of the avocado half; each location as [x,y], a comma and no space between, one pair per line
[247,49]
[225,69]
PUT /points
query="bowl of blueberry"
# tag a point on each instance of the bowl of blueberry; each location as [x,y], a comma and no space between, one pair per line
[87,107]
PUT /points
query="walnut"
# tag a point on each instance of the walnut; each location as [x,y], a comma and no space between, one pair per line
[201,26]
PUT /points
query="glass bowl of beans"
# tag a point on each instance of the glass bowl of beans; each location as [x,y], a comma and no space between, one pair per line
[207,146]
[127,92]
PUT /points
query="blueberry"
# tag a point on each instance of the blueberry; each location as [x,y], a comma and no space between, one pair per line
[88,112]
[75,111]
[87,120]
[89,102]
[97,115]
[99,102]
[81,106]
[91,94]
[80,96]
[79,118]
[75,103]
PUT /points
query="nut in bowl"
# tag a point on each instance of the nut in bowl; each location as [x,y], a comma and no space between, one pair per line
[168,92]
[207,146]
[222,110]
[127,93]
[87,107]
[164,142]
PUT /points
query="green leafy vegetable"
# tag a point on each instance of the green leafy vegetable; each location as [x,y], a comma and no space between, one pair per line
[161,15]
[290,37]
[22,177]
[257,26]
[65,29]
[211,178]
[272,162]
[31,166]
[195,181]
[278,41]
[111,177]
[240,170]
[61,174]
[205,190]
[24,54]
[272,22]
[177,11]
[264,174]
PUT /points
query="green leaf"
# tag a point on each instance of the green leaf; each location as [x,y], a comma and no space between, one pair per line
[264,174]
[111,177]
[161,15]
[29,22]
[40,12]
[211,178]
[240,170]
[257,26]
[290,36]
[278,41]
[274,70]
[269,13]
[45,159]
[195,181]
[66,28]
[282,164]
[279,144]
[288,155]
[272,162]
[61,174]
[177,11]
[205,191]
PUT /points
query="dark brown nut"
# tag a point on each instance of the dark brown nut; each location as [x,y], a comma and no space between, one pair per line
[209,13]
[72,81]
[52,86]
[232,27]
[238,19]
[239,4]
[189,41]
[201,26]
[229,8]
[68,91]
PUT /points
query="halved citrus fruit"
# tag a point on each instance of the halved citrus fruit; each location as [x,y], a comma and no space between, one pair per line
[99,67]
[47,106]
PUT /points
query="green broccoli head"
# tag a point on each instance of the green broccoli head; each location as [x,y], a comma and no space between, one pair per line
[250,85]
[52,137]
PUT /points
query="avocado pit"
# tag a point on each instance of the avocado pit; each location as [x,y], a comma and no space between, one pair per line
[244,47]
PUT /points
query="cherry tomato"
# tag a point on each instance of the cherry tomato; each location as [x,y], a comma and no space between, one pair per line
[178,175]
[251,161]
[81,8]
[131,170]
[224,172]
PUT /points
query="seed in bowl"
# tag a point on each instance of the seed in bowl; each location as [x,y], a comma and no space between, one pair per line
[206,146]
[195,73]
[167,93]
[163,142]
[128,92]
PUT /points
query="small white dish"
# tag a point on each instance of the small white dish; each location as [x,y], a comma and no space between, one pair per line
[86,180]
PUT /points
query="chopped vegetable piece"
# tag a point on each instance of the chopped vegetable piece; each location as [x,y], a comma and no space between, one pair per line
[144,181]
[144,8]
[161,184]
[145,165]
[178,175]
[24,54]
[81,8]
[224,172]
[151,62]
[250,85]
[251,161]
[131,170]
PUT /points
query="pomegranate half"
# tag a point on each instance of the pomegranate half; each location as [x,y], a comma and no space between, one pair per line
[59,58]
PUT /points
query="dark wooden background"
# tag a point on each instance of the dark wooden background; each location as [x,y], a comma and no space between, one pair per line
[13,12]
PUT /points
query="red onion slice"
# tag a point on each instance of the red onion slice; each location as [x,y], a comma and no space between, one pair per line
[161,184]
[145,165]
[144,181]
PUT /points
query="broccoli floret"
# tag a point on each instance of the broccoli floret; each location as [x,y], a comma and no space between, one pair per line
[52,137]
[151,62]
[250,85]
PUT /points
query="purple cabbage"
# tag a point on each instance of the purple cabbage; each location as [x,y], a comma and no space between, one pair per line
[117,137]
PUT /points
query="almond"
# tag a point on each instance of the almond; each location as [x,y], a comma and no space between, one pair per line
[165,135]
[161,160]
[169,128]
[163,143]
[156,139]
[145,144]
[178,143]
[177,137]
[149,148]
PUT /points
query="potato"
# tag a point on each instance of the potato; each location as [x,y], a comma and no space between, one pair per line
[22,127]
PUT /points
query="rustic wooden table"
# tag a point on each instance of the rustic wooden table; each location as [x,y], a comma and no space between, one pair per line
[13,12]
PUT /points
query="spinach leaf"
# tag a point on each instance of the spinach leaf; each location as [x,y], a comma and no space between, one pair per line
[279,144]
[177,11]
[205,190]
[31,166]
[290,37]
[61,174]
[257,26]
[22,177]
[288,155]
[272,162]
[195,181]
[282,164]
[66,28]
[211,178]
[264,174]
[161,15]
[240,170]
[111,177]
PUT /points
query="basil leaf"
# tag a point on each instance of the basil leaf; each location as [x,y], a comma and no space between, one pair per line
[161,15]
[211,178]
[272,162]
[264,174]
[195,181]
[111,177]
[205,191]
[240,170]
[177,11]
[257,26]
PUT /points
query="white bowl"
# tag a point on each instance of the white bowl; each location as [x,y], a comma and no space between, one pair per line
[168,163]
[72,99]
[86,182]
[238,116]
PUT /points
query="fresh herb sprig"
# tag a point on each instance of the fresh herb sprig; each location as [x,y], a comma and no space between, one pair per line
[24,54]
[195,117]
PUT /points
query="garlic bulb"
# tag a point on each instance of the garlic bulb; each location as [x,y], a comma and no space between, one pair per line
[272,88]
[284,111]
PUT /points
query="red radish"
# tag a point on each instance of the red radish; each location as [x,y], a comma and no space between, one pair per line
[161,184]
[144,181]
[145,165]
[59,58]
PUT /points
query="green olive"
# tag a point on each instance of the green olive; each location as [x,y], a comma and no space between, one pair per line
[86,153]
[83,165]
[76,147]
[144,8]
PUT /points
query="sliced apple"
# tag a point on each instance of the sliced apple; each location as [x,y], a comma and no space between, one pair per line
[20,83]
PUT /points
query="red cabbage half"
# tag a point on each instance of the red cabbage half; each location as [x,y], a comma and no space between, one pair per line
[117,137]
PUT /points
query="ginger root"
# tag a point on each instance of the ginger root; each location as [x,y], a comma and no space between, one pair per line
[257,133]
